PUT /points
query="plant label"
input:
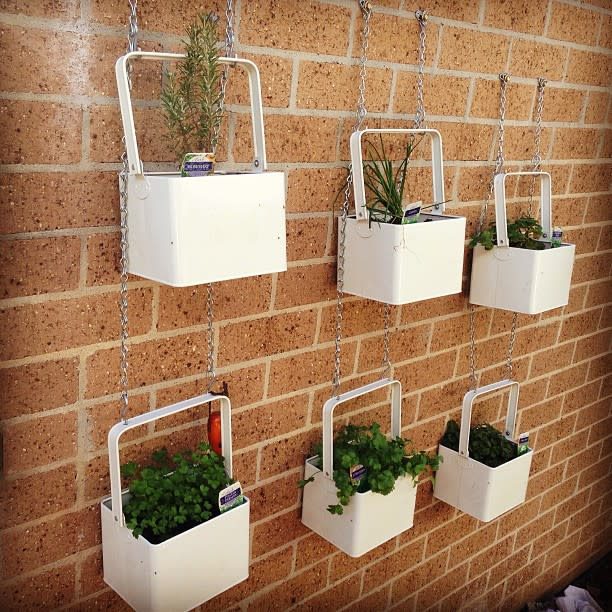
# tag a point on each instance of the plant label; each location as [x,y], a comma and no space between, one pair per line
[412,212]
[356,473]
[523,444]
[230,496]
[197,164]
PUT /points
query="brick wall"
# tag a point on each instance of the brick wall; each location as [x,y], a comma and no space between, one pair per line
[59,319]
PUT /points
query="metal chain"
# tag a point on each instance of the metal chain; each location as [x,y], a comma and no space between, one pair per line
[509,366]
[499,164]
[123,215]
[230,39]
[386,359]
[536,160]
[211,375]
[419,120]
[366,14]
[499,160]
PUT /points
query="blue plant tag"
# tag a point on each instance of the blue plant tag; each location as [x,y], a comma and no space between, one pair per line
[197,164]
[230,497]
[412,212]
[356,473]
[523,444]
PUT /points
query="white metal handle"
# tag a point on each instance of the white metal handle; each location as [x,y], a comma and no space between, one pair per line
[501,218]
[357,165]
[127,115]
[466,412]
[120,428]
[328,416]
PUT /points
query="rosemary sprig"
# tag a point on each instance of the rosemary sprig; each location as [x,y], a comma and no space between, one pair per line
[192,97]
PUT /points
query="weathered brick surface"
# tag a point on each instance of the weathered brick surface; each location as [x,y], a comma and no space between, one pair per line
[59,282]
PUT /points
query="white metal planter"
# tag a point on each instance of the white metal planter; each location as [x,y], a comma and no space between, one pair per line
[475,488]
[186,231]
[370,519]
[188,569]
[398,264]
[516,279]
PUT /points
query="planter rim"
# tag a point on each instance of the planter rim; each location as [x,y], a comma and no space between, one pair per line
[310,460]
[107,503]
[488,467]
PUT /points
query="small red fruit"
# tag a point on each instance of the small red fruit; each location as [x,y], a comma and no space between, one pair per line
[214,432]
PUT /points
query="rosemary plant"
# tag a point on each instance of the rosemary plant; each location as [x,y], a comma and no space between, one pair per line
[192,96]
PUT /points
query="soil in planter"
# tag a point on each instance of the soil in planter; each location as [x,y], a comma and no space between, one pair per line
[150,537]
[487,445]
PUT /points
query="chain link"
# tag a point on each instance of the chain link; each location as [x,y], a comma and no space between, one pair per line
[537,159]
[499,165]
[419,120]
[230,39]
[499,160]
[124,258]
[123,290]
[509,366]
[386,359]
[211,375]
[366,14]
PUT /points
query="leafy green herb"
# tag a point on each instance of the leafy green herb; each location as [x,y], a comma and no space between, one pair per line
[192,98]
[522,233]
[174,494]
[385,460]
[487,445]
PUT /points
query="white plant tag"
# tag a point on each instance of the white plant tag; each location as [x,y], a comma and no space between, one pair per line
[230,496]
[412,211]
[523,444]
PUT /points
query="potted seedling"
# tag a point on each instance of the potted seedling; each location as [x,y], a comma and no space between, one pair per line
[175,494]
[524,233]
[179,534]
[195,226]
[192,99]
[521,265]
[396,251]
[483,472]
[360,488]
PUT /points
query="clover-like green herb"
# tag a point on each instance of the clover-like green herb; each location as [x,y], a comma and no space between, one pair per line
[524,233]
[487,445]
[173,494]
[385,460]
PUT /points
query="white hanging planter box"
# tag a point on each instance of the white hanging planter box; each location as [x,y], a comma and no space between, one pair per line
[473,487]
[399,264]
[370,519]
[185,570]
[185,231]
[522,280]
